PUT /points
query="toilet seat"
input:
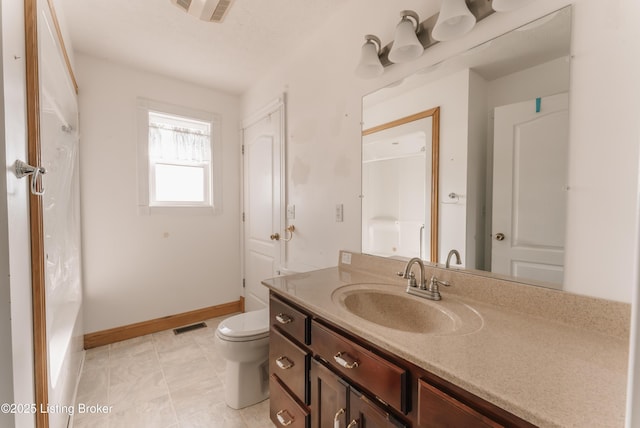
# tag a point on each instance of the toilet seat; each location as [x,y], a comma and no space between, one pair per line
[245,327]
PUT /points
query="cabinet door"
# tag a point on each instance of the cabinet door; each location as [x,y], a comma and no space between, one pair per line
[364,413]
[328,398]
[436,409]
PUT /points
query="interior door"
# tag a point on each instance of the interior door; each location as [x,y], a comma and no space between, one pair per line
[529,188]
[263,193]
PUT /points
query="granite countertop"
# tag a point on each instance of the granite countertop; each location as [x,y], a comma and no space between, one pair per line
[548,372]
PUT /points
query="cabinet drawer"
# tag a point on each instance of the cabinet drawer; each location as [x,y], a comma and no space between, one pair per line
[284,410]
[381,377]
[290,364]
[290,320]
[437,409]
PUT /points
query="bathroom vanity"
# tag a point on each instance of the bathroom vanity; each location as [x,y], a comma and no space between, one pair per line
[349,349]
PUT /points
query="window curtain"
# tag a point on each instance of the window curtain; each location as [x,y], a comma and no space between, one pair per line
[170,142]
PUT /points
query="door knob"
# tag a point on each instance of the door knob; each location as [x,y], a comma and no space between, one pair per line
[499,236]
[275,237]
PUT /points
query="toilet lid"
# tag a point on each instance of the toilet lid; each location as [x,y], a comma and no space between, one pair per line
[254,324]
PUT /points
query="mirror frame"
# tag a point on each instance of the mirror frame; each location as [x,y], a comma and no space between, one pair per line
[434,114]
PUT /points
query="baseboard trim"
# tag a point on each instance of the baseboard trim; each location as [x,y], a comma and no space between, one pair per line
[117,334]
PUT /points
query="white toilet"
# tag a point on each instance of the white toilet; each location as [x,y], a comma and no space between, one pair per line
[243,341]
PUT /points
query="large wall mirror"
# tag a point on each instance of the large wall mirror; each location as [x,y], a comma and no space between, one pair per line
[400,187]
[503,156]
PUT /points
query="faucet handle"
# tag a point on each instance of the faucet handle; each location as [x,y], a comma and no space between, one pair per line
[435,282]
[445,283]
[412,278]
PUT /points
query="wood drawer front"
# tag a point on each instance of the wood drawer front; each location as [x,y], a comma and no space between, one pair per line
[290,320]
[290,363]
[284,410]
[437,409]
[381,377]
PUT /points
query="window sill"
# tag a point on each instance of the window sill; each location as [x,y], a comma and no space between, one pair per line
[178,210]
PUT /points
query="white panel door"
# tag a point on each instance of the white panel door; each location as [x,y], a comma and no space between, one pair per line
[529,189]
[262,206]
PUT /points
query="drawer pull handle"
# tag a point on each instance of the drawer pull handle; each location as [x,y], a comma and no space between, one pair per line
[284,421]
[353,423]
[284,318]
[336,418]
[282,364]
[344,363]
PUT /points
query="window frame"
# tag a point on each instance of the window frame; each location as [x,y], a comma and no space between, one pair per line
[146,168]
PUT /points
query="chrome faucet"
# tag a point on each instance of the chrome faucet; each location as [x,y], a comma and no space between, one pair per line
[420,289]
[453,253]
[407,274]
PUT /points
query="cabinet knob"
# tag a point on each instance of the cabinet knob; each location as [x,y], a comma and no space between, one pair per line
[343,362]
[336,418]
[283,318]
[284,417]
[275,236]
[284,363]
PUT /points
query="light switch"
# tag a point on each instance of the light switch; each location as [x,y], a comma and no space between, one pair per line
[339,213]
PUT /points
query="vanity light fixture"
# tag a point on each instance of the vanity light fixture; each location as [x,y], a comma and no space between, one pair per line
[406,46]
[370,65]
[507,5]
[455,19]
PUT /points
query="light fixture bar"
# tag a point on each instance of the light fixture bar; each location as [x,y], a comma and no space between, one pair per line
[479,8]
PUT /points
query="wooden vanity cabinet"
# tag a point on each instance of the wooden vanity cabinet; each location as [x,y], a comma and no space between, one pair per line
[336,403]
[330,378]
[289,368]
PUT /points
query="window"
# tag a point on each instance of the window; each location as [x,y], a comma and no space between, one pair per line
[176,159]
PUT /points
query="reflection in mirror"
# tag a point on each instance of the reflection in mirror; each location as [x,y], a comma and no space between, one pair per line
[503,149]
[399,174]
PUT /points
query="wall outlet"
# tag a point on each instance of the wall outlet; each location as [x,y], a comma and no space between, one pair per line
[291,212]
[346,258]
[339,213]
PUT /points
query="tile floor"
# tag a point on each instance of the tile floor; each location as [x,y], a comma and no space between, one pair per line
[162,381]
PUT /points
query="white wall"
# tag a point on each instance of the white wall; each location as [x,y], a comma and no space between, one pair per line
[324,130]
[141,267]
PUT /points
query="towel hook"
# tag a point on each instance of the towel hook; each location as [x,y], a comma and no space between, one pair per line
[23,169]
[289,229]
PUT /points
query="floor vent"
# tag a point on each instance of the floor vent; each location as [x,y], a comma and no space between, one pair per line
[191,327]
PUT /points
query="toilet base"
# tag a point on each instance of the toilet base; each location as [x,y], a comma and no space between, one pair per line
[246,384]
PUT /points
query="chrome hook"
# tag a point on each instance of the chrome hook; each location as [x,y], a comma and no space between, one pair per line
[23,169]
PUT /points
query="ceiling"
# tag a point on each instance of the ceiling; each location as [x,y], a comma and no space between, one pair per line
[157,36]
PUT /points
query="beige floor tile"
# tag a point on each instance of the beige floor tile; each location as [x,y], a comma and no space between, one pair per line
[182,374]
[168,341]
[146,388]
[257,416]
[196,399]
[133,368]
[163,380]
[131,347]
[156,413]
[94,385]
[219,416]
[96,358]
[91,421]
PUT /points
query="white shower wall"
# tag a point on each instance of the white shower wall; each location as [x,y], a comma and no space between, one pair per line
[59,141]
